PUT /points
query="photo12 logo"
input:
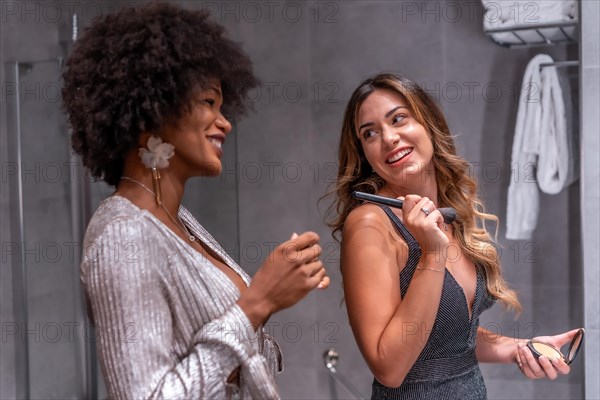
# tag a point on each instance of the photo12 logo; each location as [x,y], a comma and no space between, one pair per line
[52,12]
[272,11]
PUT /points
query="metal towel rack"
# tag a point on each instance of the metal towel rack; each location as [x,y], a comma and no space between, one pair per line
[524,33]
[560,64]
[331,358]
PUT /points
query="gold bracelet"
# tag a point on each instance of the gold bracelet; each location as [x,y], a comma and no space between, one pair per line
[431,269]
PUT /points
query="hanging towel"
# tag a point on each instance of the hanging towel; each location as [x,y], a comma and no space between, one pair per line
[542,152]
[501,14]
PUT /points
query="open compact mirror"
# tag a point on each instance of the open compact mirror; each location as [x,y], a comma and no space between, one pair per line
[545,349]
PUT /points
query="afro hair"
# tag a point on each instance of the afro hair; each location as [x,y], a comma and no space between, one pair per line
[137,70]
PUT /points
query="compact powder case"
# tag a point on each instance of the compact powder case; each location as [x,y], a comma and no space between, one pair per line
[539,348]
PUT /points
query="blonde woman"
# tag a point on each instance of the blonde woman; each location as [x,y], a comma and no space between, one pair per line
[415,286]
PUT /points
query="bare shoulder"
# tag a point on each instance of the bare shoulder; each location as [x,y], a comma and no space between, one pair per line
[368,226]
[365,216]
[370,220]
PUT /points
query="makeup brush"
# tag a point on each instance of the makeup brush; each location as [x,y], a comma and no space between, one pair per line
[448,213]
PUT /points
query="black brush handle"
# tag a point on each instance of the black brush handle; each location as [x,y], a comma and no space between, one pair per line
[448,213]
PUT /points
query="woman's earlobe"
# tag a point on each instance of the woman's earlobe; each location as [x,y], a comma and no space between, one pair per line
[143,139]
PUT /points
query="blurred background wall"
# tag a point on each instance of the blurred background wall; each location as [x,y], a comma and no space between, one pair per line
[280,160]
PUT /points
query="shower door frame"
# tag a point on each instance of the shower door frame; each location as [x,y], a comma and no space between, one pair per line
[80,213]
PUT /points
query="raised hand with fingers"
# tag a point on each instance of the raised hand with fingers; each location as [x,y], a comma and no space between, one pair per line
[424,221]
[291,271]
[324,284]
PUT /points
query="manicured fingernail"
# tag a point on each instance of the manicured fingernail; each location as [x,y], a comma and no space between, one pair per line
[320,286]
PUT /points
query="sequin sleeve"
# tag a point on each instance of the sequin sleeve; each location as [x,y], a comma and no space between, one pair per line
[272,352]
[124,277]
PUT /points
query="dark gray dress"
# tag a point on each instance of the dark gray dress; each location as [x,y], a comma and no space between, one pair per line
[447,367]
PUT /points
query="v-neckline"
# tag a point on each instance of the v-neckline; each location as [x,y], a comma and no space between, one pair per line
[401,228]
[470,311]
[191,250]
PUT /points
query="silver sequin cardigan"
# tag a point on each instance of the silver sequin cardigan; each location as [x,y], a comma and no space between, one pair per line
[166,318]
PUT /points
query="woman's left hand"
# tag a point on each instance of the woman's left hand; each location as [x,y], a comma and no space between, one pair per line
[543,367]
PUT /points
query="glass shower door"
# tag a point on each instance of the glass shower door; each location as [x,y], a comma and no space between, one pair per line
[55,341]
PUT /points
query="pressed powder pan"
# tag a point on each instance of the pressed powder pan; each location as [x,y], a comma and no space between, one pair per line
[539,348]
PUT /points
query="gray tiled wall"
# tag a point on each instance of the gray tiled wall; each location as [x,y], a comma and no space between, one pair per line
[590,188]
[448,56]
[281,160]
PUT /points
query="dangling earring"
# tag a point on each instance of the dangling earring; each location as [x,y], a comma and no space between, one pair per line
[156,185]
[156,156]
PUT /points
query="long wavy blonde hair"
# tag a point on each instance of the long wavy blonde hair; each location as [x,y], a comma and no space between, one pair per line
[455,187]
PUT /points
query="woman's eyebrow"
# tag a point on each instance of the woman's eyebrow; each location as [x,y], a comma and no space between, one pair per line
[387,115]
[393,110]
[216,89]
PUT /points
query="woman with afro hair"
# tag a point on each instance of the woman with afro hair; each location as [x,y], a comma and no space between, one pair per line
[149,93]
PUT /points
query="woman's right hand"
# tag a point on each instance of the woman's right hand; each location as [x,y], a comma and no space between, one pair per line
[425,227]
[291,271]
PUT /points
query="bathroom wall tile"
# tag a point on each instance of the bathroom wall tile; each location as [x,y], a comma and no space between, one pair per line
[590,125]
[528,389]
[498,388]
[590,33]
[53,333]
[591,274]
[278,63]
[549,263]
[275,146]
[592,303]
[565,314]
[299,382]
[349,55]
[592,355]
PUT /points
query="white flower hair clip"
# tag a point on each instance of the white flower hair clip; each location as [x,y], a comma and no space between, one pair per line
[154,157]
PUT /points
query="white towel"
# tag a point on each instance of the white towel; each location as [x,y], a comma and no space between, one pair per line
[542,154]
[511,13]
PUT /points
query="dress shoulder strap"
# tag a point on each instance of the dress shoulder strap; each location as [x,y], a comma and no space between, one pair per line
[414,250]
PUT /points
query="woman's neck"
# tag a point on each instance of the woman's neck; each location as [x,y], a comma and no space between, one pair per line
[427,188]
[137,185]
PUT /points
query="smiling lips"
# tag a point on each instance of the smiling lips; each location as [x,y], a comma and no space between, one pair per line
[217,140]
[399,155]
